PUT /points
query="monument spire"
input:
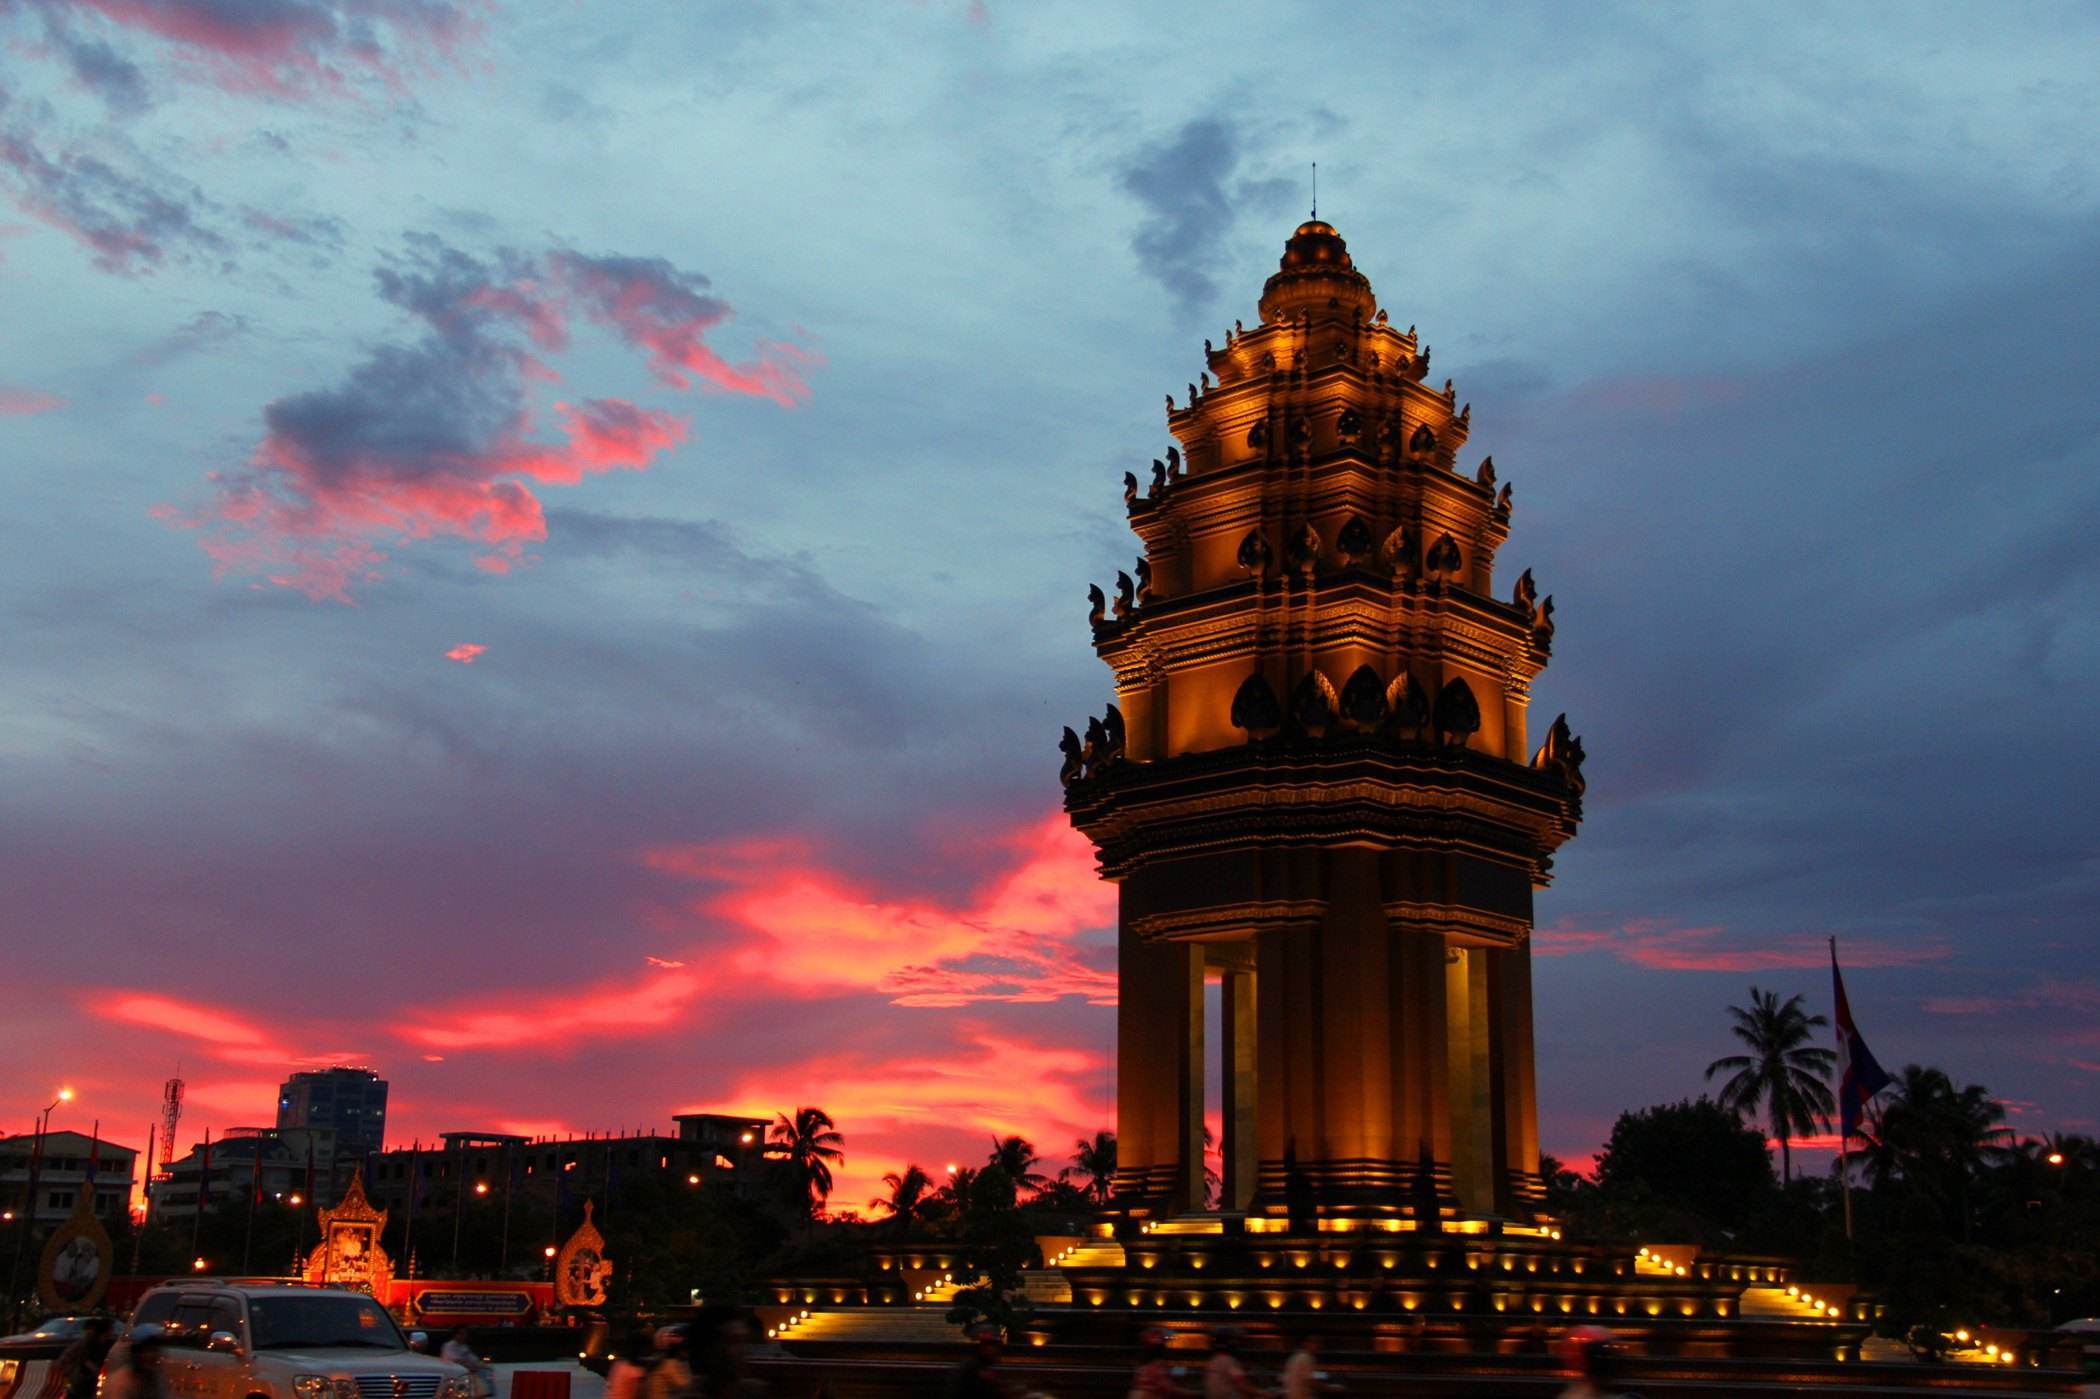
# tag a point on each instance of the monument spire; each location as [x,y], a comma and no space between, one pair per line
[1315,785]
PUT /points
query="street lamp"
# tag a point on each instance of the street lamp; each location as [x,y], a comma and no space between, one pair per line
[28,1219]
[2054,1158]
[198,1265]
[481,1187]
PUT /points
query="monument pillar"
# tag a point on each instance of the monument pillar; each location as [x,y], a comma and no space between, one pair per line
[1518,1189]
[1159,1075]
[1238,1020]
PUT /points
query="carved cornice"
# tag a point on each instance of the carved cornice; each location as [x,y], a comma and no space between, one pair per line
[1344,790]
[1357,609]
[1219,920]
[1456,920]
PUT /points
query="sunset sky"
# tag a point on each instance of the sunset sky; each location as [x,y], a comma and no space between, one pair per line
[544,547]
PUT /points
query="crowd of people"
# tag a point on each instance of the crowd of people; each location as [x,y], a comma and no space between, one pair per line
[708,1358]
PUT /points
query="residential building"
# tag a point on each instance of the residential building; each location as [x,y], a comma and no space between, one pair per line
[283,1164]
[708,1147]
[63,1166]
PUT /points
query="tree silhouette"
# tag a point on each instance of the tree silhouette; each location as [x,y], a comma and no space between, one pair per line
[910,1191]
[1093,1165]
[1016,1156]
[1936,1138]
[809,1143]
[1783,1073]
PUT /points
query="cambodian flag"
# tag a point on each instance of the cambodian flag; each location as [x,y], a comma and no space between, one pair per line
[1860,1077]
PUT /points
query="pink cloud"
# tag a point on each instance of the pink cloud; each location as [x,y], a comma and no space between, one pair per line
[222,1030]
[465,652]
[1661,946]
[667,313]
[897,1110]
[298,48]
[812,930]
[608,1010]
[27,403]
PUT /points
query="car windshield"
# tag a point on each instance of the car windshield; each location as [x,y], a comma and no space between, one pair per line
[319,1321]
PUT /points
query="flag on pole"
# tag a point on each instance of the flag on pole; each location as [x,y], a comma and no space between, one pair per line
[1860,1076]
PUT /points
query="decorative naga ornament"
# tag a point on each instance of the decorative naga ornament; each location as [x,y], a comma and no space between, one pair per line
[73,1273]
[582,1272]
[1326,803]
[349,1254]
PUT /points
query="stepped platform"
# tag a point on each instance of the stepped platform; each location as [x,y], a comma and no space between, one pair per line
[1470,1309]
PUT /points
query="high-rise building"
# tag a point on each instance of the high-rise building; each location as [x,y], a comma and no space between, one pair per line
[351,1102]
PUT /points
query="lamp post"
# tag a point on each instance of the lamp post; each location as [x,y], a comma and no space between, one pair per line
[25,1216]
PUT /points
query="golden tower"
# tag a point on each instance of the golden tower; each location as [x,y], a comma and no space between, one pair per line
[1315,787]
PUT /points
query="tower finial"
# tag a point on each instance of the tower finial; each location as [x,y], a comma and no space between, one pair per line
[1316,189]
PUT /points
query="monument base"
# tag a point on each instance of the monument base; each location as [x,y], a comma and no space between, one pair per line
[1447,1308]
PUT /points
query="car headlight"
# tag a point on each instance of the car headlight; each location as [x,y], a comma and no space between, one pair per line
[457,1387]
[313,1387]
[345,1387]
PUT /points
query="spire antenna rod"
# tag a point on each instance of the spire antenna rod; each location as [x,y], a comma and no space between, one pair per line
[1316,190]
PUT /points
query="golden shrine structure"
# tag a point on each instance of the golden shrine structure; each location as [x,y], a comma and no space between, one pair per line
[1317,788]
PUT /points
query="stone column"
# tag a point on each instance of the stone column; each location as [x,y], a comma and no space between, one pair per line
[1355,1052]
[1242,1068]
[1474,1166]
[1519,1191]
[1159,1082]
[1287,1089]
[1420,1038]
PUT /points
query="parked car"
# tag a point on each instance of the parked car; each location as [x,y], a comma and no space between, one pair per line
[265,1341]
[59,1330]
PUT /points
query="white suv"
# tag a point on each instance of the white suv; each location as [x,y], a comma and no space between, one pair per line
[264,1341]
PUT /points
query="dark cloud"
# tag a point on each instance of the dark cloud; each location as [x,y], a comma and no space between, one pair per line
[95,65]
[436,435]
[1181,183]
[203,333]
[1192,188]
[293,49]
[131,222]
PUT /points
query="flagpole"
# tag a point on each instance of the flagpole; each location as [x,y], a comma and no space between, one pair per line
[1845,1178]
[203,1193]
[408,1229]
[138,1226]
[254,1189]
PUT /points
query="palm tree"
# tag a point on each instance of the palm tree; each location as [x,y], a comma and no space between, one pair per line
[957,1193]
[910,1193]
[809,1143]
[1937,1138]
[1783,1072]
[1016,1156]
[1094,1165]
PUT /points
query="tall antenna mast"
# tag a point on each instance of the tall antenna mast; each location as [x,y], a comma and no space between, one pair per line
[170,1114]
[1316,190]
